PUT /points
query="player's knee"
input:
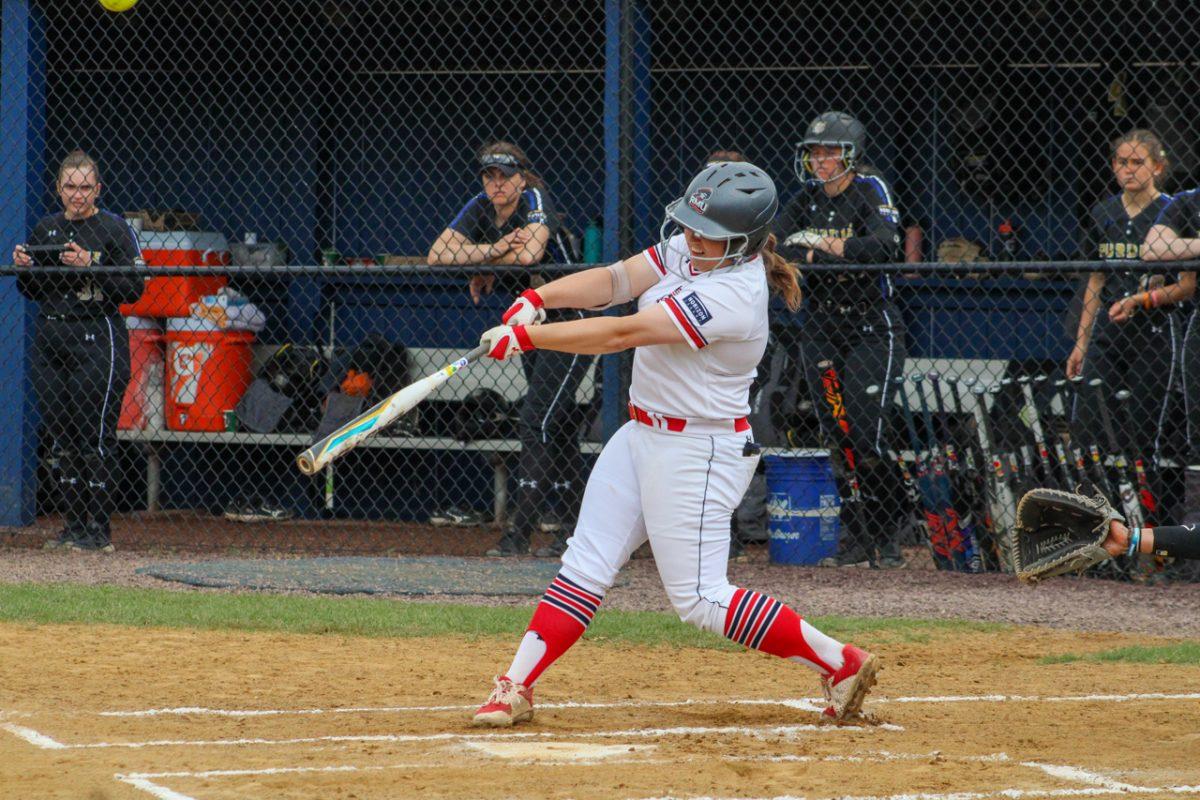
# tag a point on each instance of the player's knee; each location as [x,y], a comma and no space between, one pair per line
[703,609]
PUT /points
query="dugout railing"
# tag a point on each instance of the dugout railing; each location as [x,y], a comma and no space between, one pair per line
[978,411]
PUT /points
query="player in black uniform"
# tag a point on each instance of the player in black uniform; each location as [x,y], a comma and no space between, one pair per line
[845,213]
[80,363]
[512,221]
[1129,332]
[1176,236]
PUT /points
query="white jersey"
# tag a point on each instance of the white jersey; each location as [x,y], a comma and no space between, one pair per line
[722,315]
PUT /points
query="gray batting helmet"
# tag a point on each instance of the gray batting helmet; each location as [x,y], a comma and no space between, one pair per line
[727,201]
[832,129]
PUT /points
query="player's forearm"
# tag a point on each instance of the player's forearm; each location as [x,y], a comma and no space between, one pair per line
[590,288]
[461,254]
[1091,307]
[1171,294]
[592,336]
[1170,248]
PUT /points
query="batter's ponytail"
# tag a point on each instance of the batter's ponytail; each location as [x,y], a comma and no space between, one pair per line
[782,275]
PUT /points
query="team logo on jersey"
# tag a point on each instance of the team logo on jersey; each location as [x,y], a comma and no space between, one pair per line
[696,306]
[699,200]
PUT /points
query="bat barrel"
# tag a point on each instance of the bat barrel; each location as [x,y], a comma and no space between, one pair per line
[306,463]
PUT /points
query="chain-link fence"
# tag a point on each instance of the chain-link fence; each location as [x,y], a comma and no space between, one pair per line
[321,202]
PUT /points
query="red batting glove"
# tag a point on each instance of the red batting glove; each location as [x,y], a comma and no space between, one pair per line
[526,310]
[505,341]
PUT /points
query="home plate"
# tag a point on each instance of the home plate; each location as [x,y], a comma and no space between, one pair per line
[560,751]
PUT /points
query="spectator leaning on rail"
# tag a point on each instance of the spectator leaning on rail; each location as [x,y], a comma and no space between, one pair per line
[512,221]
[1175,236]
[1118,341]
[845,213]
[80,363]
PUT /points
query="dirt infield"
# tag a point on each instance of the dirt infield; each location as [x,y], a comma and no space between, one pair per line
[94,712]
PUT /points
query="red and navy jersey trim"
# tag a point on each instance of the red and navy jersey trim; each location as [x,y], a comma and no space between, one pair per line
[655,258]
[685,323]
[572,599]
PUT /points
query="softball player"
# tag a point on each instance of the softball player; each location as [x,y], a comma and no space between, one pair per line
[676,471]
[845,215]
[80,363]
[1176,236]
[1119,341]
[512,221]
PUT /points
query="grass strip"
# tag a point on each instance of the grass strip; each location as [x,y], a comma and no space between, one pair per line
[373,616]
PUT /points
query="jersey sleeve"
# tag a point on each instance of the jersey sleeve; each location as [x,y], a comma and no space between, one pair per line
[541,209]
[37,287]
[880,222]
[710,311]
[121,248]
[466,222]
[1180,215]
[1089,242]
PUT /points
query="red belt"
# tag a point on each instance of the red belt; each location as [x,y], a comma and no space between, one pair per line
[678,424]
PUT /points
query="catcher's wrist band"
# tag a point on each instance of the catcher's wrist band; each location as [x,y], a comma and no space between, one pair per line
[1135,540]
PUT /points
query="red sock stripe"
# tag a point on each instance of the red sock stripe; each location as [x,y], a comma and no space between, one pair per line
[579,593]
[566,596]
[750,616]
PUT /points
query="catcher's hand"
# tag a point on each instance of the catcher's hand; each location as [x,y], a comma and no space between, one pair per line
[1060,532]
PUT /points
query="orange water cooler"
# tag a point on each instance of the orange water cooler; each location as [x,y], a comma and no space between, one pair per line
[169,296]
[207,372]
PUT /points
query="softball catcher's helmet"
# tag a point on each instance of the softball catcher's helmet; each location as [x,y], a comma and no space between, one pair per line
[730,201]
[831,129]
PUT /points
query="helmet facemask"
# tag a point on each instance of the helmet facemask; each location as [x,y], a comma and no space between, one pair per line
[803,167]
[736,245]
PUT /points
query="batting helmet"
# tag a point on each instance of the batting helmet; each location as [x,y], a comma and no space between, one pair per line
[733,202]
[831,129]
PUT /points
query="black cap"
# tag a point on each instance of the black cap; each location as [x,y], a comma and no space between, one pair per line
[506,163]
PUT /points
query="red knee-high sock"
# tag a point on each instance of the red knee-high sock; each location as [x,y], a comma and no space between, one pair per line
[559,620]
[763,623]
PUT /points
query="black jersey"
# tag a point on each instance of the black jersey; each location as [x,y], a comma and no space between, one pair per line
[865,217]
[1112,235]
[111,241]
[477,219]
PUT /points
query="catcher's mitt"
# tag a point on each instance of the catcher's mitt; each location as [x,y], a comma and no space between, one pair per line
[1060,532]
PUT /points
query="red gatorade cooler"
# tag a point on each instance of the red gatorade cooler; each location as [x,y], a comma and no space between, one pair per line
[208,371]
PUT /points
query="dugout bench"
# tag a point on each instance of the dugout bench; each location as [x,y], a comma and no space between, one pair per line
[152,443]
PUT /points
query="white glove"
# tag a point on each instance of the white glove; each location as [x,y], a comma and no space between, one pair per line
[506,341]
[809,239]
[526,310]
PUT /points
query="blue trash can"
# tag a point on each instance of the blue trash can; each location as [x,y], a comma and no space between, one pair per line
[802,506]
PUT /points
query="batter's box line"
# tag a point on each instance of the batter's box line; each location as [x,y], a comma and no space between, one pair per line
[805,704]
[760,731]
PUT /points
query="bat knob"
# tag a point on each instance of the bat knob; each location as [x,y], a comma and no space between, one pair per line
[980,390]
[1024,379]
[872,389]
[916,377]
[1077,379]
[1060,382]
[969,381]
[932,375]
[1124,394]
[1095,382]
[952,379]
[1039,379]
